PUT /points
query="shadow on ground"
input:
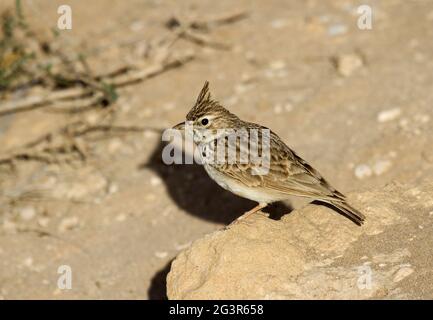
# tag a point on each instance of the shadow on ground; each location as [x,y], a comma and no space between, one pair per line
[193,191]
[158,285]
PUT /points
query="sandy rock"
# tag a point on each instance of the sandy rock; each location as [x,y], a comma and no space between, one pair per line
[347,64]
[278,109]
[68,224]
[337,30]
[27,213]
[363,171]
[402,273]
[279,23]
[388,115]
[277,65]
[155,181]
[43,222]
[381,166]
[311,253]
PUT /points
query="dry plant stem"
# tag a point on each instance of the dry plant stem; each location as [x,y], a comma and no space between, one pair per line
[150,71]
[69,142]
[75,106]
[34,102]
[127,74]
[201,40]
[218,21]
[188,30]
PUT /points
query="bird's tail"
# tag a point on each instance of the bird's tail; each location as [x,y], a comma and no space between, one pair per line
[349,211]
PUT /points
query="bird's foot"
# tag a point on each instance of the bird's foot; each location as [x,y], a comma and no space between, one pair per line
[243,217]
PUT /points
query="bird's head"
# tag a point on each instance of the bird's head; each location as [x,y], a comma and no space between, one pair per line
[209,118]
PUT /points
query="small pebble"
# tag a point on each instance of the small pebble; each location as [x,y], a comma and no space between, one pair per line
[28,262]
[93,118]
[278,23]
[113,188]
[337,30]
[278,109]
[27,213]
[68,224]
[43,222]
[161,254]
[381,167]
[348,63]
[403,273]
[155,181]
[181,246]
[277,65]
[288,107]
[137,26]
[121,217]
[388,115]
[414,192]
[363,171]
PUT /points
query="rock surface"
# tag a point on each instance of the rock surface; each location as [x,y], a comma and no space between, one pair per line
[313,253]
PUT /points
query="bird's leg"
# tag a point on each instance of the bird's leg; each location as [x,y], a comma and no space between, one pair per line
[253,210]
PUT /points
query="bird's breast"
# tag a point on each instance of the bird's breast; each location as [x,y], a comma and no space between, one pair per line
[257,194]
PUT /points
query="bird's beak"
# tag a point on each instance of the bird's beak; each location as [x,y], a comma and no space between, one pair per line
[179,126]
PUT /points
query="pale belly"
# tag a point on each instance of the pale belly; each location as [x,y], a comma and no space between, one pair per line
[252,193]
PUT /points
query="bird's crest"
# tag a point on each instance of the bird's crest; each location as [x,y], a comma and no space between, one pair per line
[203,104]
[204,94]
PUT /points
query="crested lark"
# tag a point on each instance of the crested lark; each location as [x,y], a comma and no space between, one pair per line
[287,173]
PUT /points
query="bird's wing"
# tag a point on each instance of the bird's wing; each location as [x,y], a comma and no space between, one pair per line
[288,174]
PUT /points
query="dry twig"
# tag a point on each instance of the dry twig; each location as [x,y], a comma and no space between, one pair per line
[188,30]
[119,80]
[66,141]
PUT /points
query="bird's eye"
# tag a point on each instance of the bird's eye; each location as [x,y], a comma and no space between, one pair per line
[204,121]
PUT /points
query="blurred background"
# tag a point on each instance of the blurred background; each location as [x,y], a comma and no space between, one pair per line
[83,102]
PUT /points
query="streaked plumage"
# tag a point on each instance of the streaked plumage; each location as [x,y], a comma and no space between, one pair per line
[288,173]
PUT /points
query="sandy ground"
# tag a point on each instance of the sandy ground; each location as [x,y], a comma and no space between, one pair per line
[120,218]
